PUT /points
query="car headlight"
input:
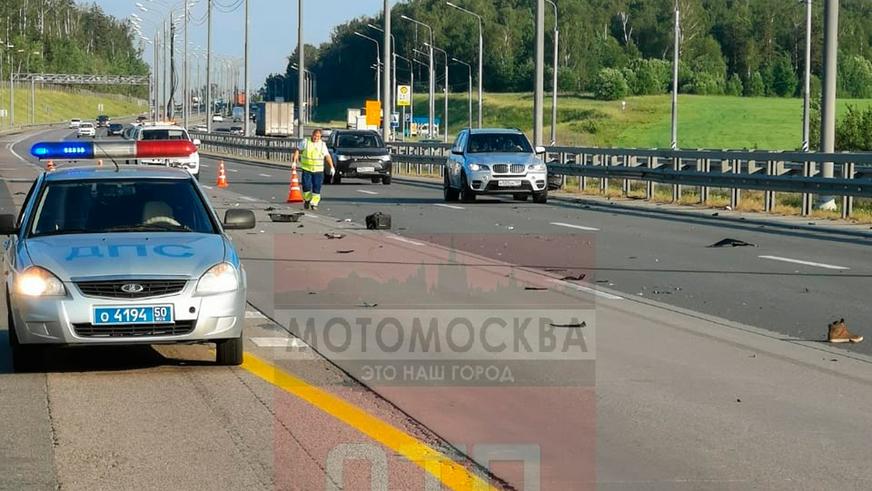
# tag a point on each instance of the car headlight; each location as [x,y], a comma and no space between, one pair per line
[39,282]
[385,158]
[540,167]
[221,278]
[343,158]
[478,167]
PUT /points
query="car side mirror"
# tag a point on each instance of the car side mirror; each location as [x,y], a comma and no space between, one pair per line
[196,142]
[540,150]
[239,219]
[7,225]
[455,151]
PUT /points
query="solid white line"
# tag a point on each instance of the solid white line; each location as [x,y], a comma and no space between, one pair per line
[806,263]
[578,227]
[443,205]
[264,175]
[207,187]
[607,296]
[407,241]
[366,191]
[279,342]
[232,170]
[248,198]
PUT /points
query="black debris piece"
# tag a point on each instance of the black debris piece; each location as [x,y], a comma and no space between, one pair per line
[286,217]
[579,277]
[349,251]
[574,325]
[554,270]
[368,305]
[534,288]
[732,243]
[378,221]
[334,235]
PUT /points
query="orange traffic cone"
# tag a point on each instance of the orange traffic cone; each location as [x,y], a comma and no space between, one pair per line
[49,166]
[222,177]
[295,194]
[99,163]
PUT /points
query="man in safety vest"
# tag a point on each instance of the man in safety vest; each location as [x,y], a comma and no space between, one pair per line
[311,156]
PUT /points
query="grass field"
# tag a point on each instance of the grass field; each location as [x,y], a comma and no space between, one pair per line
[55,105]
[704,121]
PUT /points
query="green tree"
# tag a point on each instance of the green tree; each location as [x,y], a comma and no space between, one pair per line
[855,77]
[610,85]
[782,78]
[754,86]
[734,86]
[854,131]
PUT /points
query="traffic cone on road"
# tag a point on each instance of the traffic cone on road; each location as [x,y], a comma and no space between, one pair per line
[295,194]
[222,177]
[49,166]
[99,163]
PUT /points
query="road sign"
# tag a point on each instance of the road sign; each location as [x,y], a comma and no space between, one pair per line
[3,113]
[100,107]
[395,120]
[404,96]
[373,113]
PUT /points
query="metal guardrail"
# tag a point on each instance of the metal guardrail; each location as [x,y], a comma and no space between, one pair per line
[735,170]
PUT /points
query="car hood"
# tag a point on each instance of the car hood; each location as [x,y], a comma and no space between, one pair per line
[502,158]
[77,256]
[361,152]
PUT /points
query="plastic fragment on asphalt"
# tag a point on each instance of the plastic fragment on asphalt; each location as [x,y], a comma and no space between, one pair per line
[580,277]
[732,243]
[334,235]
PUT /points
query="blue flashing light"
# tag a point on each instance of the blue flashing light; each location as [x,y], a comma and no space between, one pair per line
[63,150]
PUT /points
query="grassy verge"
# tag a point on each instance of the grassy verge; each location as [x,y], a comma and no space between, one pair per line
[57,105]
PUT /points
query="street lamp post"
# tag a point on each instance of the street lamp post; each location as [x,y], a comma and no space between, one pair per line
[554,77]
[393,83]
[675,60]
[432,87]
[445,112]
[425,65]
[806,92]
[480,55]
[301,75]
[386,90]
[246,89]
[378,64]
[468,69]
[208,66]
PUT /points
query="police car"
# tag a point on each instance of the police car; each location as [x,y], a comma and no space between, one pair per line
[167,131]
[121,255]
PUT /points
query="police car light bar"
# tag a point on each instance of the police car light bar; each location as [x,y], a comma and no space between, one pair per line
[144,149]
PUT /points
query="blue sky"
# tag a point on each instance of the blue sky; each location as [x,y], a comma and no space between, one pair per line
[273,33]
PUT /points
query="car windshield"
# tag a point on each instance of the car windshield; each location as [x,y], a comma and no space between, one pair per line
[122,205]
[498,143]
[87,125]
[168,134]
[358,140]
[115,126]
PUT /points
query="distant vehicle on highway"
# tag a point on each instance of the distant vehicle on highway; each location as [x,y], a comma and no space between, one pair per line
[237,130]
[238,114]
[102,121]
[169,132]
[74,123]
[200,128]
[360,153]
[222,129]
[128,132]
[275,119]
[141,119]
[495,161]
[128,257]
[86,129]
[217,118]
[115,129]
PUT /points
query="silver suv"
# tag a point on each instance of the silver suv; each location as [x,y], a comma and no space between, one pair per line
[495,161]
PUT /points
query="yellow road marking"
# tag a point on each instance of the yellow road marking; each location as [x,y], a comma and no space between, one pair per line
[441,466]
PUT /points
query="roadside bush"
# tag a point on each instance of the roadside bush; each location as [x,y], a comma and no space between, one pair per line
[855,77]
[702,83]
[650,77]
[734,86]
[782,80]
[610,85]
[854,131]
[754,86]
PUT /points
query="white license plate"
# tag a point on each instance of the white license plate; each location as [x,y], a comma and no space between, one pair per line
[366,169]
[509,184]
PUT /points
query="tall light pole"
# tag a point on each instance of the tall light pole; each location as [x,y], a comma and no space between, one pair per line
[378,64]
[246,89]
[675,59]
[301,74]
[387,96]
[425,65]
[806,91]
[480,55]
[468,69]
[445,112]
[187,95]
[208,66]
[539,96]
[432,88]
[828,104]
[554,77]
[393,83]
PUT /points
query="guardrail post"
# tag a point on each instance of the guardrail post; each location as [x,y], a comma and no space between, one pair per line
[847,201]
[604,182]
[808,169]
[649,185]
[581,181]
[625,186]
[769,196]
[676,188]
[704,165]
[735,193]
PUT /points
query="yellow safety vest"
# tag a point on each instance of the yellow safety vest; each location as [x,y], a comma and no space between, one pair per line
[312,156]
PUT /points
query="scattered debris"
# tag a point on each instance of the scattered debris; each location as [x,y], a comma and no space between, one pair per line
[534,288]
[269,208]
[368,305]
[554,270]
[754,355]
[378,221]
[732,243]
[602,281]
[728,208]
[834,359]
[738,400]
[286,217]
[580,277]
[661,292]
[349,251]
[300,225]
[313,293]
[334,235]
[838,333]
[715,214]
[348,220]
[574,325]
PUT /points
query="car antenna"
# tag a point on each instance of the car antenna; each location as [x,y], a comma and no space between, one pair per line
[117,167]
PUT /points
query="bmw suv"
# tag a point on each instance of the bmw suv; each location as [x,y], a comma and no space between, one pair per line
[495,161]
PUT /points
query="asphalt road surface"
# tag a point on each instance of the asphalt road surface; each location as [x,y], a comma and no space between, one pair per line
[713,378]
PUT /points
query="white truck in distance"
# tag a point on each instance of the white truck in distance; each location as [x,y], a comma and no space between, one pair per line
[275,119]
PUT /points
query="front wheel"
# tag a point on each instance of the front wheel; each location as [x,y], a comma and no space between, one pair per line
[229,352]
[386,180]
[520,196]
[375,180]
[540,197]
[450,193]
[467,195]
[25,357]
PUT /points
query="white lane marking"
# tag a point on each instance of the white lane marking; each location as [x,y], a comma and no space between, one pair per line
[453,207]
[253,314]
[279,343]
[407,241]
[586,289]
[205,165]
[265,175]
[806,263]
[232,170]
[207,187]
[248,198]
[366,191]
[577,227]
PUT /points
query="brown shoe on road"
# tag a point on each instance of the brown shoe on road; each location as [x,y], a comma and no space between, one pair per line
[839,333]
